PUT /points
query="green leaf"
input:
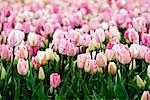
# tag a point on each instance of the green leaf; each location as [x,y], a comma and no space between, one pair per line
[96,96]
[120,90]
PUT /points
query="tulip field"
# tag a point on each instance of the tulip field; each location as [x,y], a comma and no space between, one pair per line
[74,49]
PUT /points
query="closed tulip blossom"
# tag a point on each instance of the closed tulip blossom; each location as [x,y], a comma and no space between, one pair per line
[81,59]
[64,46]
[142,52]
[134,49]
[41,57]
[139,24]
[32,39]
[112,68]
[15,37]
[132,36]
[84,40]
[145,95]
[73,50]
[35,63]
[22,66]
[88,66]
[54,80]
[145,39]
[49,54]
[124,56]
[21,51]
[101,59]
[99,35]
[109,54]
[5,52]
[41,74]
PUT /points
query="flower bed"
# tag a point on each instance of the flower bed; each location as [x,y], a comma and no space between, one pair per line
[94,49]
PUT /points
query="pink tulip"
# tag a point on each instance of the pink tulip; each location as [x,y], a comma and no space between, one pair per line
[35,63]
[112,68]
[109,54]
[54,80]
[139,24]
[33,51]
[26,26]
[21,51]
[145,39]
[132,36]
[81,59]
[22,66]
[88,66]
[32,39]
[99,35]
[147,56]
[72,50]
[84,40]
[142,52]
[124,56]
[6,52]
[64,46]
[145,95]
[134,49]
[101,59]
[15,37]
[94,66]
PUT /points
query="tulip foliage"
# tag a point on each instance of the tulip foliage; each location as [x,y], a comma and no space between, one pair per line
[83,49]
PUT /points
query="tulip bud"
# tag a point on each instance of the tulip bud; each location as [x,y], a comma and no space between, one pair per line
[101,59]
[15,37]
[22,67]
[148,71]
[145,95]
[54,80]
[41,56]
[87,66]
[140,82]
[32,39]
[112,68]
[3,73]
[49,54]
[119,73]
[41,74]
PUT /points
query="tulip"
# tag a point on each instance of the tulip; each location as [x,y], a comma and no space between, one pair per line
[15,37]
[148,71]
[140,82]
[87,66]
[145,39]
[35,63]
[21,51]
[142,52]
[132,36]
[22,66]
[109,54]
[145,95]
[54,80]
[101,59]
[49,54]
[6,52]
[72,50]
[3,73]
[64,46]
[84,40]
[81,59]
[41,74]
[99,35]
[41,56]
[124,56]
[32,39]
[134,49]
[94,66]
[112,68]
[139,24]
[93,45]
